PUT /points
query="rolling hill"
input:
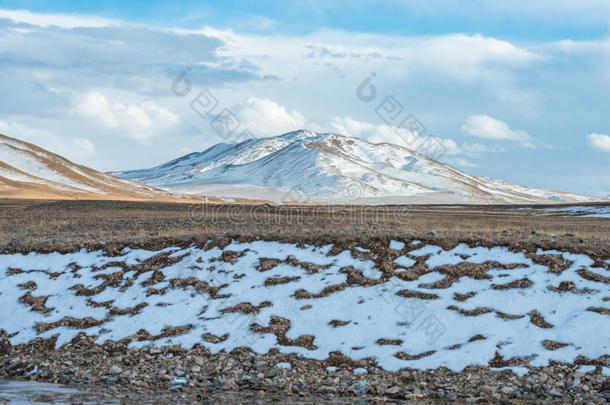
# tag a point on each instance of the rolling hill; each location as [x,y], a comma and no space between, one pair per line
[309,166]
[28,171]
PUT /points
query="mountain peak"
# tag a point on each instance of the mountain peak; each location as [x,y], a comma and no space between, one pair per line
[322,167]
[298,134]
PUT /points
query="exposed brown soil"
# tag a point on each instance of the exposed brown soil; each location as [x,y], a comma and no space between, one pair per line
[589,275]
[280,280]
[417,294]
[392,342]
[599,310]
[68,321]
[523,283]
[508,316]
[551,345]
[37,304]
[473,312]
[406,356]
[266,264]
[538,320]
[463,297]
[246,308]
[279,326]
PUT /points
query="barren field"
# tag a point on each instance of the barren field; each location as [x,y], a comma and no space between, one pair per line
[56,225]
[402,302]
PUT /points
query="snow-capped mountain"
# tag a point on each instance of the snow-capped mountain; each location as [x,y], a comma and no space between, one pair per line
[27,171]
[309,166]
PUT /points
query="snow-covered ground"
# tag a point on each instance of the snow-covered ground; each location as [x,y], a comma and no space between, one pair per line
[582,211]
[433,308]
[309,166]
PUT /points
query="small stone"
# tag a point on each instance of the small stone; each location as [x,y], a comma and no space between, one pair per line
[15,364]
[179,380]
[392,390]
[542,378]
[507,390]
[326,389]
[271,373]
[359,387]
[115,369]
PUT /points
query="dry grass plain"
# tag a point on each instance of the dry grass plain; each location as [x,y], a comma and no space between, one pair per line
[45,225]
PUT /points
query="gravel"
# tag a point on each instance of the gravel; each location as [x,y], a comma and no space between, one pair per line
[198,373]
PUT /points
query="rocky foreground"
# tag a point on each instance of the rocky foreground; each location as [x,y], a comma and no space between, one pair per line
[198,375]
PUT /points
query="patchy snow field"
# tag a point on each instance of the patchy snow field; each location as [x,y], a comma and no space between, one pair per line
[582,211]
[407,305]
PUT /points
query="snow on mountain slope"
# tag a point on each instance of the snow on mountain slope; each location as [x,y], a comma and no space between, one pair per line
[27,171]
[305,165]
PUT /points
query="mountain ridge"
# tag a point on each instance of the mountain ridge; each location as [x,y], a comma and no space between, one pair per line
[304,165]
[29,171]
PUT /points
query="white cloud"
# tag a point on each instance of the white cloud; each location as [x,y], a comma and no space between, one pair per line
[365,130]
[58,20]
[463,162]
[264,117]
[474,149]
[467,56]
[139,121]
[457,56]
[599,141]
[73,148]
[258,22]
[384,133]
[351,127]
[84,146]
[451,148]
[484,126]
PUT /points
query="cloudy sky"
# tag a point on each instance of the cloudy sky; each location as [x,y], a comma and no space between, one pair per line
[516,90]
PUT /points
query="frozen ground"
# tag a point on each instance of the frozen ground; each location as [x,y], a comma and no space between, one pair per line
[583,211]
[410,305]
